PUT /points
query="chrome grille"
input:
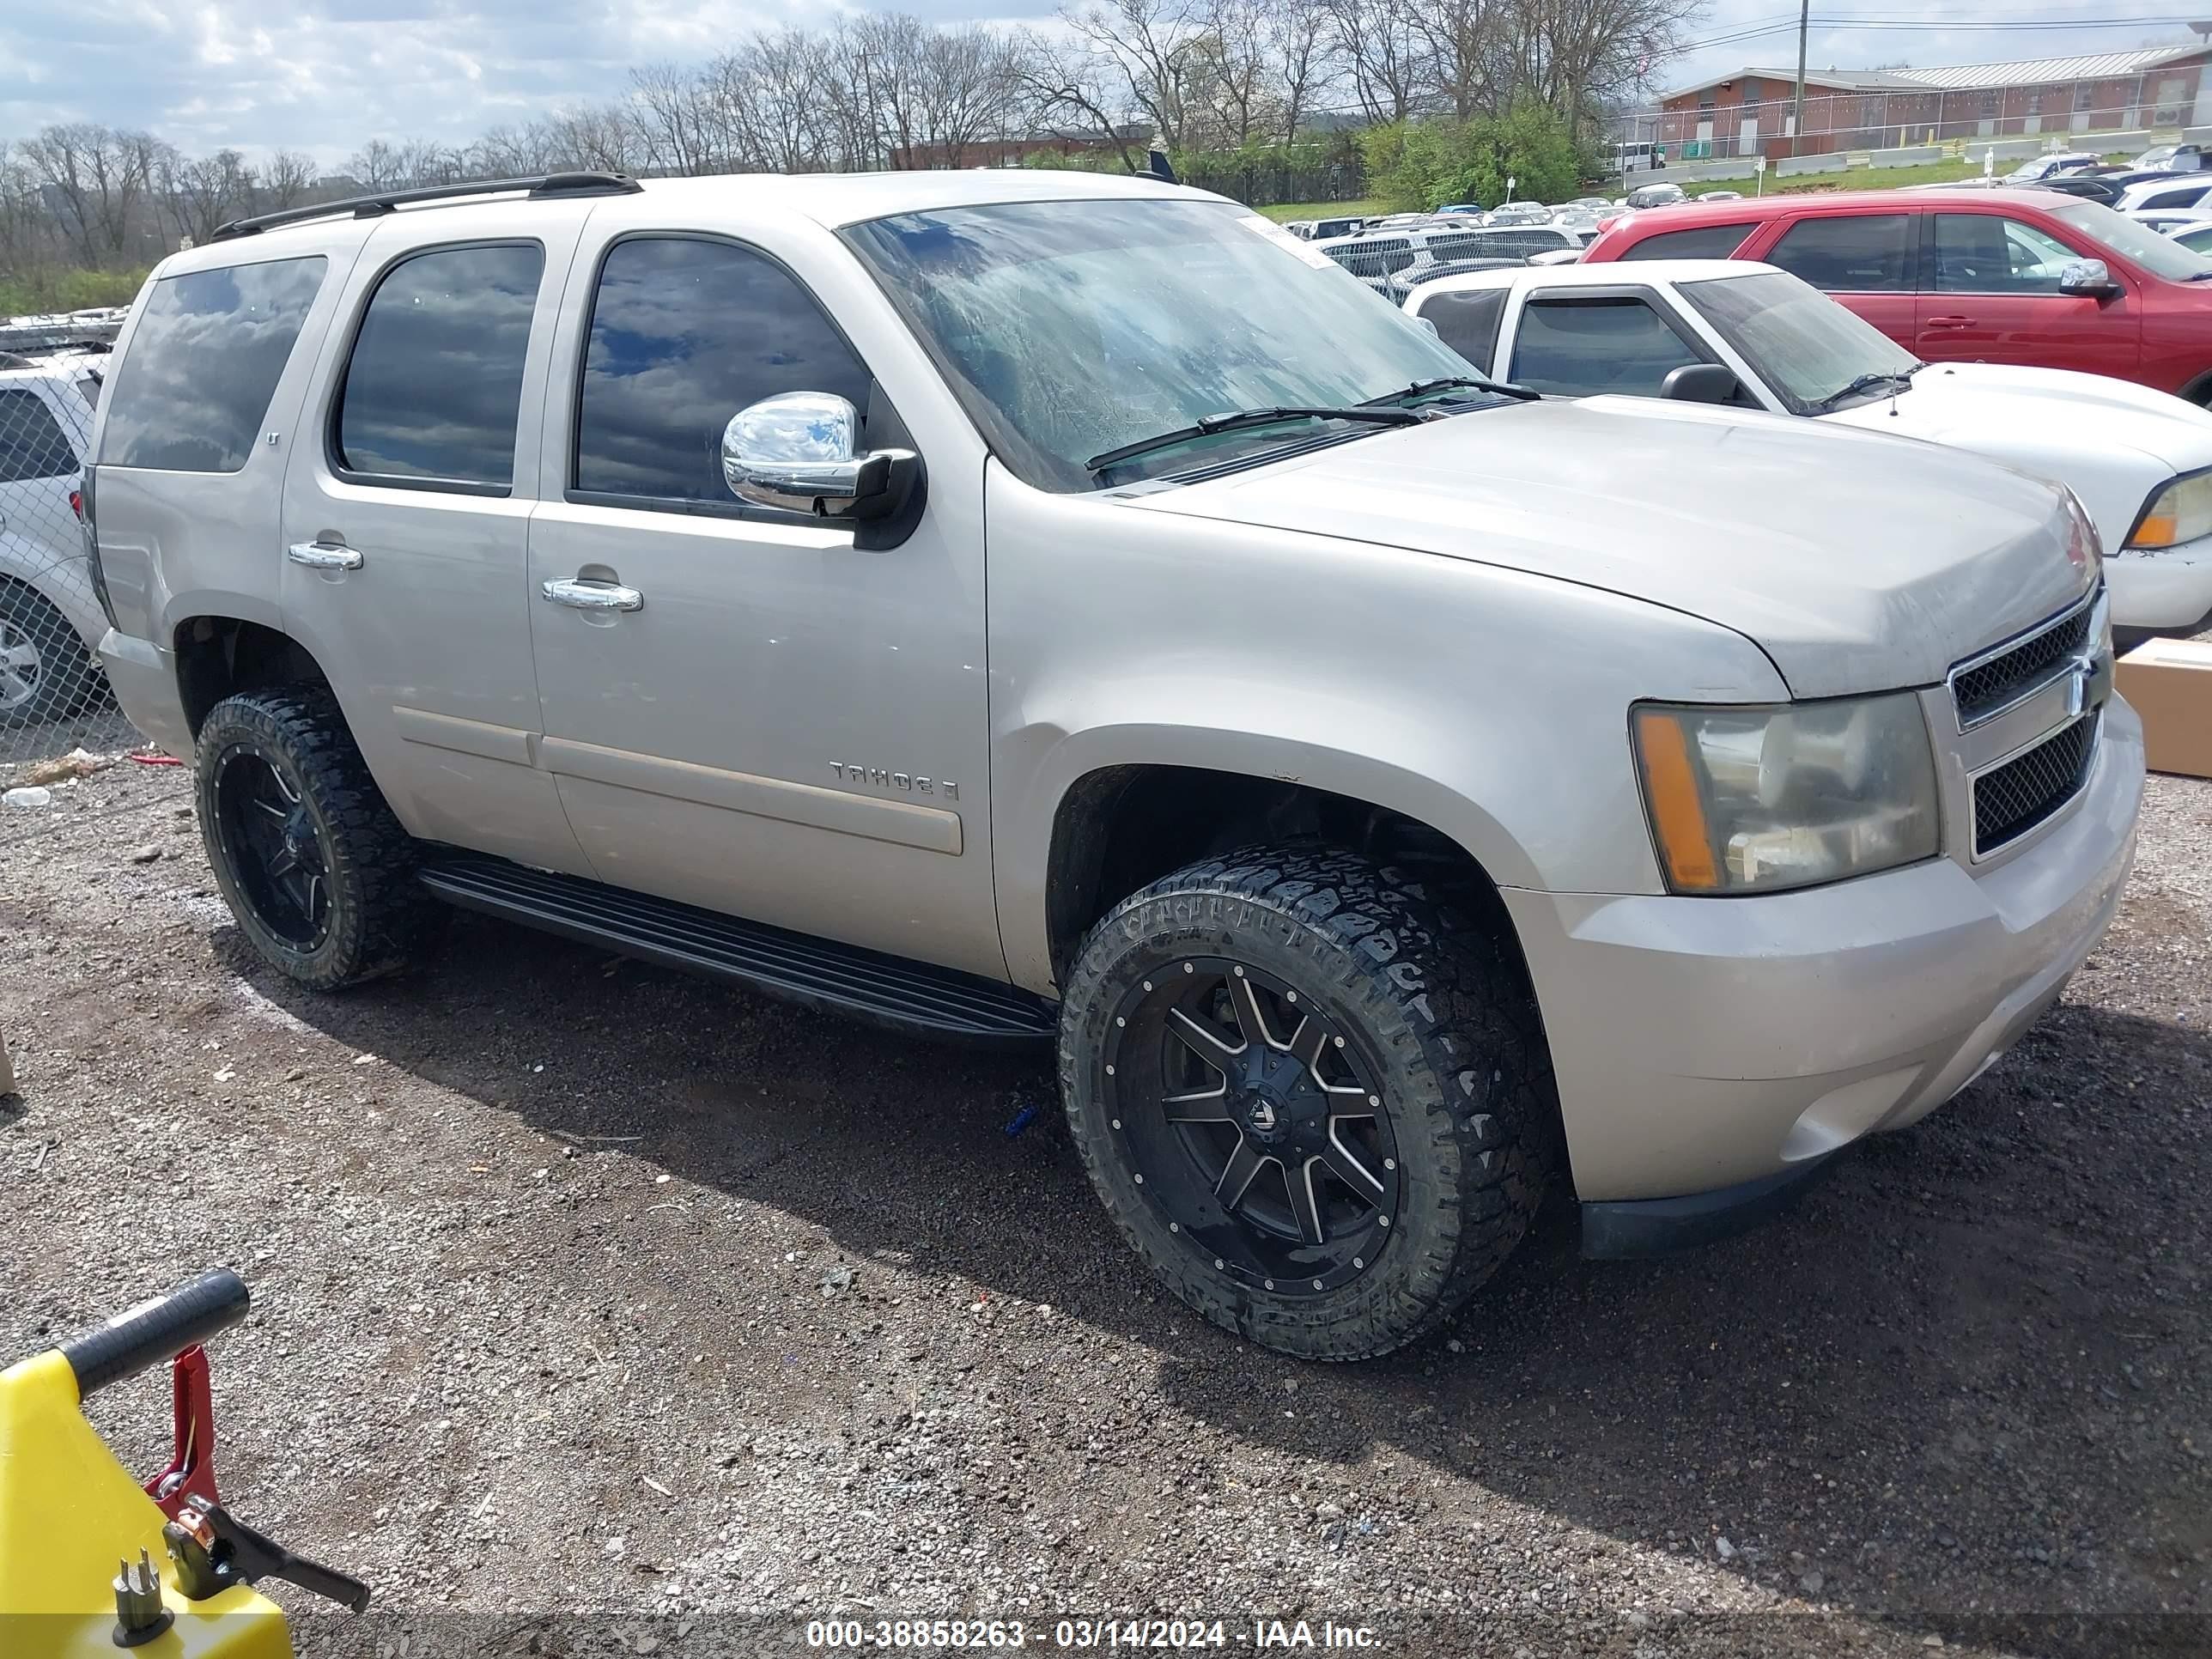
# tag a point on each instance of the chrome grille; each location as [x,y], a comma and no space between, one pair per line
[1983,685]
[2011,799]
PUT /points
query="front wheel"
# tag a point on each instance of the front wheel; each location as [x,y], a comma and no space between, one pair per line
[1317,1104]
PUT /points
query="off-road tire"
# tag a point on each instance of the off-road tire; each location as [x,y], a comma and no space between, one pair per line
[68,678]
[379,915]
[1443,1002]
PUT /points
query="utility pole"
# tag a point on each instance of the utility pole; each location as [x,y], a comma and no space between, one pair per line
[1797,115]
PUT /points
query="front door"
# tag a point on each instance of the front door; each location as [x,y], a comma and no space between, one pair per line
[1865,260]
[406,528]
[1991,296]
[742,709]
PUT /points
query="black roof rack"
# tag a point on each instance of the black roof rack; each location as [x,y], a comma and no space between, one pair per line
[383,202]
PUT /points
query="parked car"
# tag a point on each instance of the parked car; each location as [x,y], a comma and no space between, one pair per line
[1721,195]
[2087,186]
[1432,268]
[1734,332]
[2166,195]
[2166,221]
[2051,165]
[1520,213]
[2196,237]
[2173,158]
[1374,258]
[50,623]
[2009,275]
[1652,196]
[1384,784]
[1340,226]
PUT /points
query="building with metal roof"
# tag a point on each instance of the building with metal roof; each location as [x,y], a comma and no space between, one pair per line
[2151,88]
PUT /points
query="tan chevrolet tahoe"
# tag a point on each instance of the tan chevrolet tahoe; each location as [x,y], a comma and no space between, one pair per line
[1015,605]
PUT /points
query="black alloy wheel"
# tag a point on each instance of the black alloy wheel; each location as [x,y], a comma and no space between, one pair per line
[1313,1098]
[318,874]
[1253,1125]
[282,863]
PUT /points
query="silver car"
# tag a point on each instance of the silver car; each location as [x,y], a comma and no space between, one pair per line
[1036,607]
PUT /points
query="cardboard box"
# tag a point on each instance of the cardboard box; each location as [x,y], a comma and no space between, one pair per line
[2169,683]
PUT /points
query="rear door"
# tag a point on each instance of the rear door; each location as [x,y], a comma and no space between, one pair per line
[1867,261]
[1990,283]
[406,525]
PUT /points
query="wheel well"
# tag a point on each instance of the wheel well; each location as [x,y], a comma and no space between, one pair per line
[1122,827]
[219,657]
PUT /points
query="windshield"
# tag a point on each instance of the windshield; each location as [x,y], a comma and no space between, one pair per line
[1796,338]
[2160,255]
[1068,328]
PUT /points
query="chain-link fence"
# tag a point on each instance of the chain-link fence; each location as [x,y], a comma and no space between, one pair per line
[53,696]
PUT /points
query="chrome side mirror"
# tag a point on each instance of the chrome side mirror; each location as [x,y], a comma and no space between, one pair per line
[2090,278]
[798,451]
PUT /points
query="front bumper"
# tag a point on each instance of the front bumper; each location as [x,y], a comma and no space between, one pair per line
[145,680]
[1703,1044]
[2165,590]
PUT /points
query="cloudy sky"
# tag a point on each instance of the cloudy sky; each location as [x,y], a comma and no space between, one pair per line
[325,76]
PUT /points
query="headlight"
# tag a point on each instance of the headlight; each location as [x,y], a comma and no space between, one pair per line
[1752,800]
[2181,512]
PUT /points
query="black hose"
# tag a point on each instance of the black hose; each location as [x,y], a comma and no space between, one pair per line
[157,1331]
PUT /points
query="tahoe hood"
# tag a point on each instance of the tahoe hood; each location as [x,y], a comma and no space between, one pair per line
[1858,561]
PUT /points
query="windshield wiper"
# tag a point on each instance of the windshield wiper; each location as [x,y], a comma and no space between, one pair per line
[1207,426]
[1868,382]
[1451,382]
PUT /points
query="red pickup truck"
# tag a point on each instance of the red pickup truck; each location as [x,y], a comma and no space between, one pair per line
[1978,276]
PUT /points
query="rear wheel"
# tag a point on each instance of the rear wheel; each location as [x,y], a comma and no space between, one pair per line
[1316,1103]
[318,874]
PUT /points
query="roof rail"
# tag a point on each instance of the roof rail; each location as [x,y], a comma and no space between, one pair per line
[388,201]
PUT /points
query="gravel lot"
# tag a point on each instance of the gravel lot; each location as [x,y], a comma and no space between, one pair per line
[600,1310]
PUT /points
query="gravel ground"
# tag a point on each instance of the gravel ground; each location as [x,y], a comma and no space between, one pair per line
[598,1309]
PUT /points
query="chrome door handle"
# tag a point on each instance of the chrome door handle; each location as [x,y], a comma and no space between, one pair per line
[324,555]
[580,595]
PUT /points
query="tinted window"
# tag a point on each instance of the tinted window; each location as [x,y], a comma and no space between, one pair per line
[1698,242]
[685,334]
[2186,196]
[435,382]
[1466,321]
[191,394]
[1580,347]
[1860,253]
[1982,253]
[32,442]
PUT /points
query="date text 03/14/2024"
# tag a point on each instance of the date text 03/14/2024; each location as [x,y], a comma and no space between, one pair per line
[1091,1633]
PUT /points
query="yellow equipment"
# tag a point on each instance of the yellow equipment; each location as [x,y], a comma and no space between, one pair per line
[90,1564]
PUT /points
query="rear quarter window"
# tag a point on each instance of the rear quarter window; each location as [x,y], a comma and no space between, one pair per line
[1696,242]
[191,393]
[32,442]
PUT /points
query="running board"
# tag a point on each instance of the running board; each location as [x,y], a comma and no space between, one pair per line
[816,973]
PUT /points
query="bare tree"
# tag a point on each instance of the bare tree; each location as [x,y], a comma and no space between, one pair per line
[1300,57]
[1070,87]
[673,109]
[100,181]
[1231,68]
[203,194]
[605,137]
[283,181]
[1381,55]
[1148,52]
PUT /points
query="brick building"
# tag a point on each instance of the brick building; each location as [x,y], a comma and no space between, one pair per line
[1750,111]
